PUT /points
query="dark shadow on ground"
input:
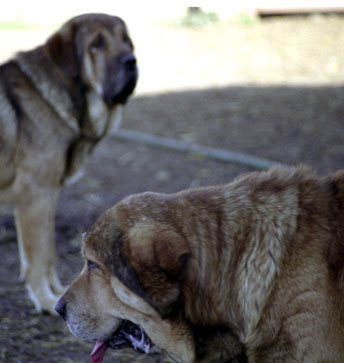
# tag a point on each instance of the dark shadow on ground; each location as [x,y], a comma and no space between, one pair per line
[287,124]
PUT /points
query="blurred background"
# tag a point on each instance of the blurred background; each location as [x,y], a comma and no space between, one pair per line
[263,78]
[222,44]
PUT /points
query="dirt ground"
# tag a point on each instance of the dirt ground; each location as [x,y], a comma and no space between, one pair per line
[285,103]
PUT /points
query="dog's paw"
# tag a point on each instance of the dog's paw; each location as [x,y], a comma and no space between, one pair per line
[43,297]
[55,284]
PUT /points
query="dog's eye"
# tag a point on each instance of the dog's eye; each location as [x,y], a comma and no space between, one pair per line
[98,42]
[91,265]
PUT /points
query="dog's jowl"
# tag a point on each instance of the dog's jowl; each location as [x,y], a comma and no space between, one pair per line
[56,103]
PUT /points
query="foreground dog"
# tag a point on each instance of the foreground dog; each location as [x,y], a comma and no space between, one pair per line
[56,102]
[262,257]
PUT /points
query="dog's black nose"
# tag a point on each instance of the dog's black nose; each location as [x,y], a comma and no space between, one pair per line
[129,62]
[61,308]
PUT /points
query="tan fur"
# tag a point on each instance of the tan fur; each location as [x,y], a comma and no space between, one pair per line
[56,103]
[262,257]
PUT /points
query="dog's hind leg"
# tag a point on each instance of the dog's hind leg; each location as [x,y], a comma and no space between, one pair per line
[34,214]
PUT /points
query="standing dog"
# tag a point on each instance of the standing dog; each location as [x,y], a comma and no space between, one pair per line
[56,102]
[262,257]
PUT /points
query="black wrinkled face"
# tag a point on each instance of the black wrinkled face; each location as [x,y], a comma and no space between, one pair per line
[120,79]
[108,61]
[97,49]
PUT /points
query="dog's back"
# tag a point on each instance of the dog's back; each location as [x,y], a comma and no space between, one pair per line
[303,315]
[277,241]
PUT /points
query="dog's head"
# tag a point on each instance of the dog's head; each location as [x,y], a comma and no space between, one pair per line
[127,293]
[133,288]
[96,49]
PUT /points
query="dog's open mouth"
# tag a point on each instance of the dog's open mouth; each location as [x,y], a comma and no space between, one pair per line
[127,335]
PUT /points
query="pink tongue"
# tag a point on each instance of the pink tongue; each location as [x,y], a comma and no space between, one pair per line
[98,352]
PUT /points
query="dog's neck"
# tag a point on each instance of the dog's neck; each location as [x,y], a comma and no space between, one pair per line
[234,255]
[61,94]
[50,85]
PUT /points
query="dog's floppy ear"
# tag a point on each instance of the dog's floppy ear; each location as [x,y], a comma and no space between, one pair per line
[62,50]
[171,252]
[152,245]
[158,255]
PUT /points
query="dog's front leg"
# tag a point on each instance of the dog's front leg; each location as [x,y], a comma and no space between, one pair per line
[34,215]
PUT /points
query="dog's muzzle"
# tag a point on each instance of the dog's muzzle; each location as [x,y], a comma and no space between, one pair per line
[120,79]
[127,335]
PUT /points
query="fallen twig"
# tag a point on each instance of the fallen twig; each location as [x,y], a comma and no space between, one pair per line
[209,152]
